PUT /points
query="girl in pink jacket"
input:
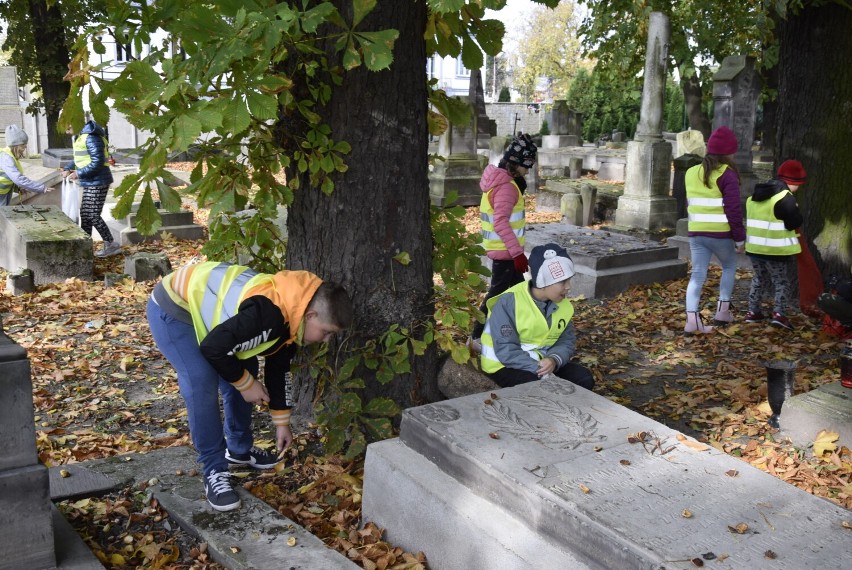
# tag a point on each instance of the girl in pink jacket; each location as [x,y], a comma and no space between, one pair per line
[503,225]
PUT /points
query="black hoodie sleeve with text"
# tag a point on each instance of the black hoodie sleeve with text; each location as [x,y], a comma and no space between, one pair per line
[258,320]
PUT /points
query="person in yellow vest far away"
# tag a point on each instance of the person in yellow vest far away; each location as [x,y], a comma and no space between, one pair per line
[11,169]
[211,321]
[715,218]
[503,221]
[529,333]
[772,217]
[90,168]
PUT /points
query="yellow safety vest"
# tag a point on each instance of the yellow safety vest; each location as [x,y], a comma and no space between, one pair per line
[82,158]
[535,335]
[215,291]
[705,207]
[766,234]
[6,182]
[491,239]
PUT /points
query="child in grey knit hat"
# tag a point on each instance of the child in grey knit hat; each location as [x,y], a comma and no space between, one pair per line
[10,166]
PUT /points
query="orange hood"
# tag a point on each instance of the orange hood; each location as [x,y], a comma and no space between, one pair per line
[291,291]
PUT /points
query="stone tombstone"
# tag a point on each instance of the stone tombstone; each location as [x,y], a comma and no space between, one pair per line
[736,88]
[589,193]
[690,142]
[26,527]
[560,116]
[459,168]
[144,266]
[10,107]
[646,203]
[575,166]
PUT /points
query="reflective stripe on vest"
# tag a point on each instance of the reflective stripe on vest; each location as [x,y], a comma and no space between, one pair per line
[705,206]
[766,234]
[533,331]
[491,239]
[6,182]
[215,291]
[82,158]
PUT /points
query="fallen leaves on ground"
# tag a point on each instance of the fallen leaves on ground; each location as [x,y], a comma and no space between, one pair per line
[101,388]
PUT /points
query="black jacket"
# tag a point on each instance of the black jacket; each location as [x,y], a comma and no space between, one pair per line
[786,209]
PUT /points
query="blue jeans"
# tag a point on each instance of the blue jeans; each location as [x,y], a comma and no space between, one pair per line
[702,249]
[200,386]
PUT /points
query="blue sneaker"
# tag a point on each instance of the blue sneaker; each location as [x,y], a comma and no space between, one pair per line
[256,458]
[220,494]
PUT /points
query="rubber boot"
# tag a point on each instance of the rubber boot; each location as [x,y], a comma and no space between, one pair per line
[694,324]
[723,313]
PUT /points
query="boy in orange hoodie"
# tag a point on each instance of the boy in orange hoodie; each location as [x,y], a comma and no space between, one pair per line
[211,321]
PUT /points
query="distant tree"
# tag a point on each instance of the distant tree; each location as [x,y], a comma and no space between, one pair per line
[545,128]
[549,48]
[674,107]
[600,102]
[702,34]
[505,96]
[39,38]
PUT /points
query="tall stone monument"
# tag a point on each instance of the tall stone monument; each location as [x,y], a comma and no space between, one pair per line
[482,124]
[646,203]
[736,87]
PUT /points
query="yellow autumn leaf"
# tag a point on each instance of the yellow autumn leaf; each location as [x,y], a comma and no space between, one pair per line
[764,408]
[825,442]
[693,444]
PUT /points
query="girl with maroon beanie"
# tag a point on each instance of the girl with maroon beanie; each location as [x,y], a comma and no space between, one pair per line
[715,226]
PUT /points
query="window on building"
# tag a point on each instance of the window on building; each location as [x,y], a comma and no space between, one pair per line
[461,70]
[122,53]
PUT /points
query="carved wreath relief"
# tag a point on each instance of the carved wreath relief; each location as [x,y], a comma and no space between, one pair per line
[573,426]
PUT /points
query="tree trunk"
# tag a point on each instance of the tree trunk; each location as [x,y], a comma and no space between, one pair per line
[380,206]
[52,58]
[814,115]
[692,100]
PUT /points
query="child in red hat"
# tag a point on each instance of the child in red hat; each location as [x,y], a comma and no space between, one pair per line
[772,217]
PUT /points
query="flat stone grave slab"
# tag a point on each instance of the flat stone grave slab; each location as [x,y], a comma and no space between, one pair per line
[608,263]
[606,486]
[45,240]
[828,407]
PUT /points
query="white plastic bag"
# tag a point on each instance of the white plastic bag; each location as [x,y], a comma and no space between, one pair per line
[71,200]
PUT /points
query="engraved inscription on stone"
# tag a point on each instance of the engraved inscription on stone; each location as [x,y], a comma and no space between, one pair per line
[570,428]
[650,507]
[440,413]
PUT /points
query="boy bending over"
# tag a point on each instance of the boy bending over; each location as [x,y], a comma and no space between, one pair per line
[211,321]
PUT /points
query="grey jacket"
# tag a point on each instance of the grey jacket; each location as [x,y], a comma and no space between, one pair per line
[507,345]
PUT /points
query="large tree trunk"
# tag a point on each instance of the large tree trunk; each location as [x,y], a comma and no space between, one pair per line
[52,57]
[692,100]
[814,115]
[380,206]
